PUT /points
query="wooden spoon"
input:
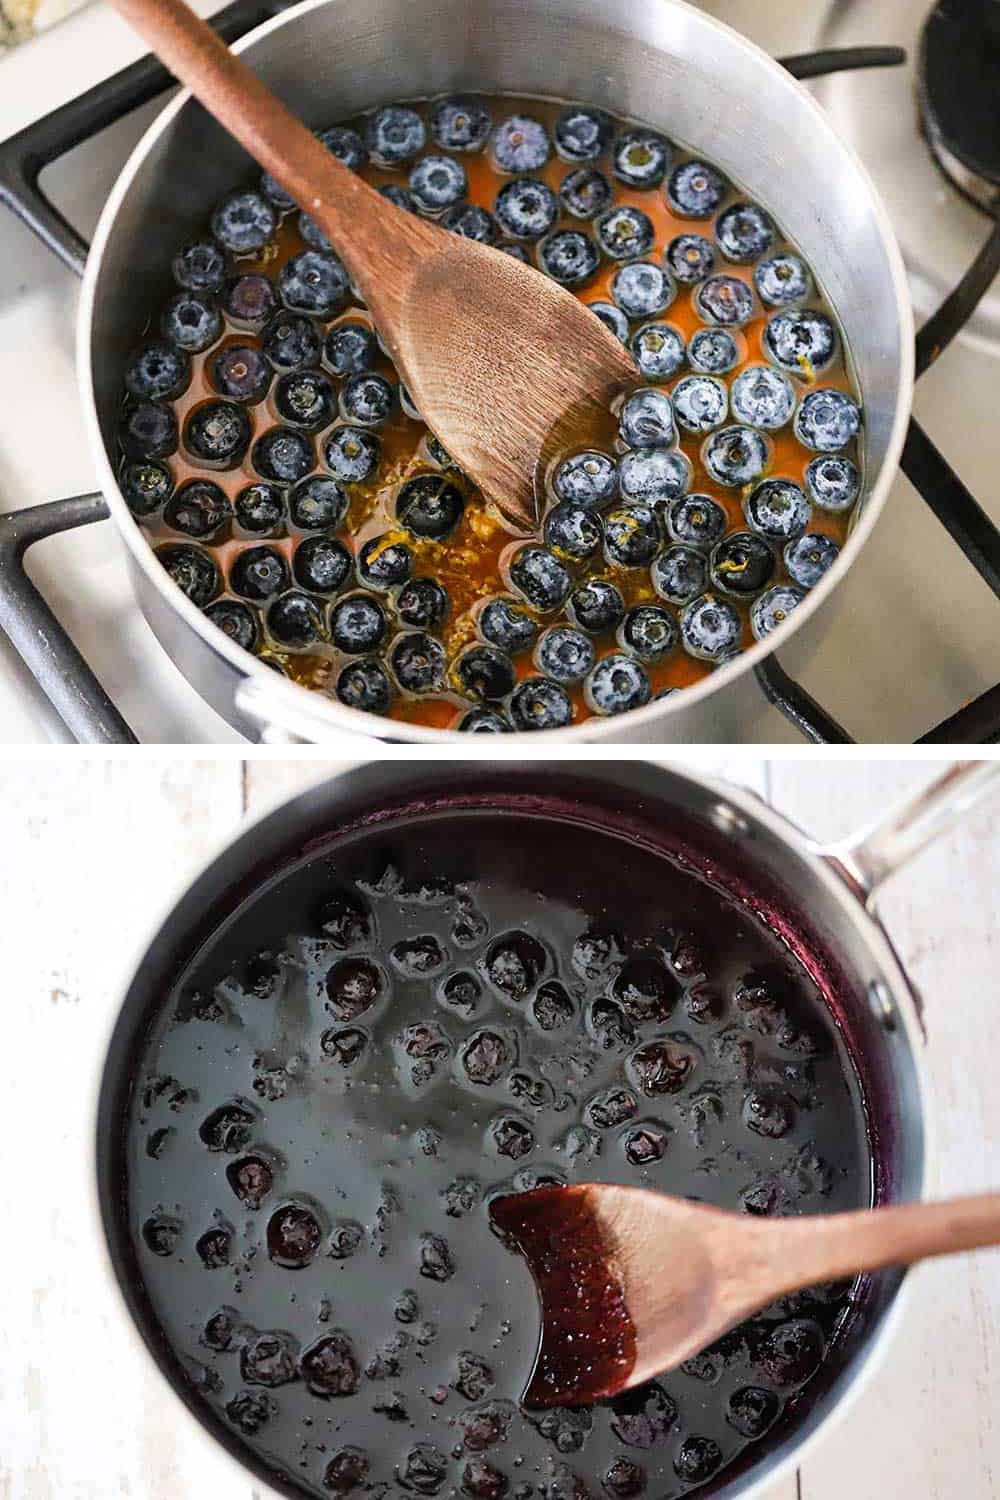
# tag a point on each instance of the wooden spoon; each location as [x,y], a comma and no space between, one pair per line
[633,1282]
[504,364]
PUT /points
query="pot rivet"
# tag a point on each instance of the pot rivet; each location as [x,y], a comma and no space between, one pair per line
[881,1004]
[727,820]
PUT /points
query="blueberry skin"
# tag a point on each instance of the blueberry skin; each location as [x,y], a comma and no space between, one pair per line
[588,479]
[778,510]
[690,257]
[569,256]
[193,571]
[260,509]
[658,349]
[313,235]
[654,474]
[538,703]
[834,483]
[724,300]
[564,654]
[158,372]
[616,685]
[540,577]
[198,509]
[504,623]
[149,431]
[484,674]
[736,456]
[741,565]
[394,134]
[429,505]
[349,349]
[582,134]
[357,624]
[460,123]
[585,193]
[642,289]
[259,574]
[318,504]
[526,208]
[484,721]
[244,223]
[613,319]
[773,608]
[241,373]
[367,399]
[291,342]
[649,632]
[321,564]
[572,531]
[710,628]
[809,558]
[418,661]
[250,301]
[191,321]
[744,232]
[827,420]
[422,603]
[365,685]
[474,223]
[803,340]
[436,183]
[695,190]
[596,606]
[236,620]
[283,454]
[631,536]
[294,622]
[782,279]
[641,158]
[762,397]
[701,403]
[146,487]
[313,282]
[384,564]
[679,574]
[696,521]
[199,267]
[351,454]
[306,399]
[625,233]
[520,144]
[714,351]
[646,420]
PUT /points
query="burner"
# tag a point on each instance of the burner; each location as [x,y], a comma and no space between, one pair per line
[958,83]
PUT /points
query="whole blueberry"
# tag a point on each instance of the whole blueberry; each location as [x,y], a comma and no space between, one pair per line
[585,193]
[484,673]
[460,123]
[422,603]
[473,223]
[357,624]
[526,208]
[429,505]
[306,399]
[564,654]
[701,403]
[658,349]
[191,321]
[833,482]
[321,564]
[582,134]
[778,510]
[572,531]
[314,283]
[199,267]
[516,252]
[397,196]
[631,535]
[236,620]
[696,520]
[291,342]
[710,628]
[625,233]
[258,574]
[646,420]
[484,721]
[438,454]
[649,631]
[782,279]
[345,144]
[714,351]
[260,509]
[318,504]
[539,575]
[294,622]
[690,257]
[408,405]
[158,372]
[250,301]
[827,420]
[283,454]
[241,373]
[146,487]
[725,300]
[193,571]
[520,144]
[505,624]
[349,349]
[394,134]
[762,397]
[641,158]
[313,235]
[367,399]
[736,456]
[773,608]
[351,454]
[654,474]
[198,509]
[569,256]
[149,430]
[596,606]
[244,222]
[809,558]
[588,479]
[679,574]
[744,232]
[741,565]
[802,340]
[218,433]
[538,703]
[642,289]
[365,684]
[385,562]
[418,660]
[695,190]
[616,685]
[436,183]
[613,319]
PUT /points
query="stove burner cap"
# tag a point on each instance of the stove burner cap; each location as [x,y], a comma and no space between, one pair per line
[958,81]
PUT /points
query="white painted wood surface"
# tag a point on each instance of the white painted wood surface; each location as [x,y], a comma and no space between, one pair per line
[93,852]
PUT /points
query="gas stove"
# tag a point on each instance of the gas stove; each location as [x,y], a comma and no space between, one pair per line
[908,655]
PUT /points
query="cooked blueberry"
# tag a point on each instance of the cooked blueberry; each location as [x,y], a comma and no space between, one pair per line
[631,535]
[422,603]
[714,351]
[695,190]
[473,223]
[198,509]
[241,373]
[236,620]
[192,321]
[368,399]
[520,144]
[642,289]
[585,192]
[646,420]
[418,661]
[313,235]
[625,233]
[572,531]
[429,505]
[330,1366]
[710,628]
[244,222]
[827,420]
[741,565]
[283,454]
[357,624]
[409,406]
[649,631]
[460,123]
[258,573]
[436,183]
[347,1470]
[484,673]
[564,654]
[588,479]
[539,703]
[696,520]
[658,350]
[199,267]
[351,454]
[149,431]
[313,282]
[345,144]
[752,1410]
[596,606]
[656,475]
[613,319]
[701,403]
[777,509]
[762,397]
[803,340]
[526,208]
[725,300]
[569,256]
[384,562]
[679,574]
[505,624]
[158,372]
[365,685]
[484,721]
[792,1352]
[641,158]
[516,252]
[581,134]
[744,232]
[690,257]
[782,279]
[834,483]
[250,300]
[394,134]
[318,504]
[321,564]
[773,608]
[697,1459]
[193,571]
[539,575]
[350,349]
[146,487]
[293,1236]
[162,1234]
[218,433]
[305,398]
[736,456]
[291,342]
[809,558]
[513,964]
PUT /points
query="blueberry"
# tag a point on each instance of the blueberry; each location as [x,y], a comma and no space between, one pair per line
[258,574]
[384,562]
[429,505]
[641,158]
[149,431]
[397,196]
[321,564]
[803,340]
[714,351]
[679,574]
[436,183]
[695,190]
[690,257]
[437,453]
[697,1459]
[540,577]
[777,509]
[572,531]
[146,487]
[313,282]
[484,673]
[418,660]
[347,1470]
[782,279]
[306,399]
[291,342]
[193,571]
[646,420]
[741,565]
[368,399]
[613,319]
[827,420]
[569,256]
[283,455]
[241,373]
[364,684]
[648,631]
[588,479]
[773,608]
[357,624]
[564,654]
[159,372]
[526,208]
[725,300]
[516,252]
[345,144]
[313,235]
[752,1410]
[696,520]
[710,628]
[504,623]
[484,721]
[596,606]
[520,144]
[624,1480]
[762,397]
[744,232]
[792,1352]
[200,267]
[460,123]
[198,509]
[658,349]
[394,134]
[244,222]
[631,535]
[809,558]
[834,483]
[408,405]
[236,620]
[250,300]
[218,433]
[642,289]
[539,703]
[474,223]
[701,403]
[736,456]
[294,621]
[351,454]
[616,685]
[654,474]
[625,233]
[318,504]
[585,193]
[582,134]
[191,321]
[350,349]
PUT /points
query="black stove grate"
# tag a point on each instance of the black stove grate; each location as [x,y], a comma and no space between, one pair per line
[57,665]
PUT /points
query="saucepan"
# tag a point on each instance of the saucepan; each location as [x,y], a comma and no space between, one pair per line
[821,901]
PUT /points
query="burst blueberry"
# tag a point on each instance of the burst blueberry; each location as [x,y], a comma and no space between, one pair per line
[827,420]
[418,661]
[695,190]
[294,622]
[696,520]
[260,509]
[585,193]
[365,685]
[641,158]
[291,342]
[649,631]
[690,258]
[631,535]
[802,340]
[833,482]
[741,565]
[654,474]
[461,123]
[149,431]
[773,608]
[520,144]
[158,372]
[713,351]
[484,673]
[710,628]
[782,279]
[616,685]
[569,256]
[237,621]
[191,321]
[809,558]
[505,624]
[258,574]
[283,454]
[538,703]
[725,300]
[625,233]
[146,486]
[244,222]
[241,373]
[318,504]
[778,510]
[250,301]
[349,349]
[385,562]
[472,222]
[193,571]
[198,509]
[357,624]
[564,654]
[762,397]
[351,454]
[596,606]
[394,134]
[436,183]
[306,399]
[539,575]
[422,603]
[646,420]
[429,505]
[679,574]
[321,564]
[744,232]
[572,531]
[736,456]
